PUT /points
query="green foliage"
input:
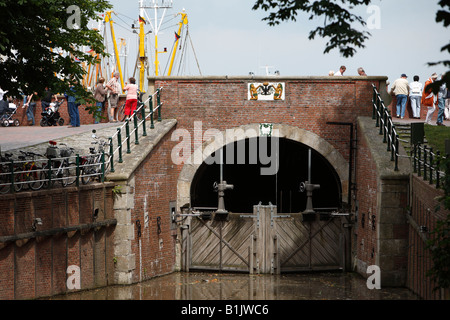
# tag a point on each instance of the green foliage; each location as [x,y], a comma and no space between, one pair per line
[338,20]
[32,35]
[439,243]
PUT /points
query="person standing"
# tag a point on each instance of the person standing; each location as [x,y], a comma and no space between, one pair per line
[415,95]
[131,102]
[341,71]
[114,88]
[100,96]
[429,98]
[447,106]
[72,107]
[47,99]
[361,72]
[400,88]
[30,104]
[441,104]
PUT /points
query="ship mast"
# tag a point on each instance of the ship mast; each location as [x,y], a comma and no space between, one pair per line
[156,6]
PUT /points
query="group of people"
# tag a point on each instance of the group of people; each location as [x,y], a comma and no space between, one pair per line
[103,92]
[113,88]
[421,95]
[342,69]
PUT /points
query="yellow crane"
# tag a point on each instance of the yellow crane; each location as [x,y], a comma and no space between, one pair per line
[184,21]
[108,19]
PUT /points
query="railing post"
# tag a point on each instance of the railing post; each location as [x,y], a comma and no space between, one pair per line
[374,101]
[378,113]
[11,170]
[438,173]
[158,96]
[102,159]
[425,158]
[111,154]
[77,161]
[119,141]
[136,133]
[49,173]
[389,143]
[127,129]
[415,158]
[419,161]
[431,165]
[152,124]
[397,144]
[144,124]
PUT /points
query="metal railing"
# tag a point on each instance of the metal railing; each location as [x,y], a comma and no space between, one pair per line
[426,163]
[14,173]
[137,123]
[383,118]
[45,173]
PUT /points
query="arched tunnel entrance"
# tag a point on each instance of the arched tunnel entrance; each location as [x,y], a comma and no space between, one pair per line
[242,167]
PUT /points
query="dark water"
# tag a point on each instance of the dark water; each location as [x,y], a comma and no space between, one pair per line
[225,286]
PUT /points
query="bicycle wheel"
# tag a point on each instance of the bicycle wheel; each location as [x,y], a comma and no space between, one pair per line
[4,183]
[121,113]
[37,179]
[87,171]
[19,180]
[72,177]
[64,176]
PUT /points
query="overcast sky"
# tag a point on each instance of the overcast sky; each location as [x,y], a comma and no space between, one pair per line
[229,38]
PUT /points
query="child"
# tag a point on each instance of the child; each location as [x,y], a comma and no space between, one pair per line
[131,102]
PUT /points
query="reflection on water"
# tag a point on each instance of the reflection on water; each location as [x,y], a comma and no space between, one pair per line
[225,286]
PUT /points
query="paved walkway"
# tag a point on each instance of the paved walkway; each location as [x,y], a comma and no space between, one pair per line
[36,138]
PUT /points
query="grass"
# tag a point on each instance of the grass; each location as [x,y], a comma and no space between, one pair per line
[436,137]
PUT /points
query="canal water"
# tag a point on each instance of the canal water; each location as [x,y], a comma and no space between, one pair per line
[227,286]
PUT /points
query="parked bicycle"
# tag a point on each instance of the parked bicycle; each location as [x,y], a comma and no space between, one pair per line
[5,173]
[28,173]
[95,165]
[59,168]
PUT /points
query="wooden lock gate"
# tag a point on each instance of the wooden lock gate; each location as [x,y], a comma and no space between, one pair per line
[265,242]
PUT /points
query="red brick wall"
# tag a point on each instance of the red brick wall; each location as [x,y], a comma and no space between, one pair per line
[367,187]
[423,213]
[37,267]
[221,103]
[155,187]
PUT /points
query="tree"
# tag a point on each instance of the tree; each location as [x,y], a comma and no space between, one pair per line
[43,42]
[338,21]
[345,29]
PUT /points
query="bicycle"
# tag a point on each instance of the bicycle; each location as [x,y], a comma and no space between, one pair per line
[5,173]
[93,166]
[28,173]
[61,169]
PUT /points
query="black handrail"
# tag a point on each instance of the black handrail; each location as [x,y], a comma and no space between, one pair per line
[383,118]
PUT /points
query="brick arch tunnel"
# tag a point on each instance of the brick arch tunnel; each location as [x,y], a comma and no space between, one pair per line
[286,164]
